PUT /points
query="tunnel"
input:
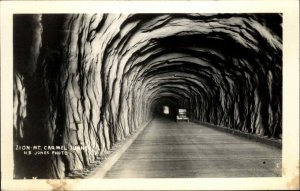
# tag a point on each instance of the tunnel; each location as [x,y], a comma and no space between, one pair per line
[165,107]
[94,79]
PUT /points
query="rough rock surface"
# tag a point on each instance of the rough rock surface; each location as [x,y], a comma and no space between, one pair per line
[91,80]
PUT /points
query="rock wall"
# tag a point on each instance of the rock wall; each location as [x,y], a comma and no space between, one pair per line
[92,80]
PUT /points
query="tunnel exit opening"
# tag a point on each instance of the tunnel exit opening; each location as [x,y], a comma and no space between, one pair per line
[165,107]
[166,110]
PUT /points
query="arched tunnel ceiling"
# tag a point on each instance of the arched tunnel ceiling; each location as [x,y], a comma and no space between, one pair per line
[102,74]
[228,51]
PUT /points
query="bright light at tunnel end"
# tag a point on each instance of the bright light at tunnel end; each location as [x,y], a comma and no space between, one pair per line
[166,110]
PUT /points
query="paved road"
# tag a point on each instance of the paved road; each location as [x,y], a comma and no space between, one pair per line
[166,149]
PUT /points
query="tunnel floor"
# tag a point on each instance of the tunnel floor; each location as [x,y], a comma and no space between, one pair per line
[166,149]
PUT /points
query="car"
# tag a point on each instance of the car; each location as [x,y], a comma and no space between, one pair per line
[182,115]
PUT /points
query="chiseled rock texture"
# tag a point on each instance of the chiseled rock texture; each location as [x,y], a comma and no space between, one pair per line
[92,80]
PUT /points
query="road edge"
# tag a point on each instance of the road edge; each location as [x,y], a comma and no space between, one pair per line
[114,157]
[269,141]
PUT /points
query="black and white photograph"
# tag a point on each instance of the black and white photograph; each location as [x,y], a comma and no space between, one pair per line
[142,95]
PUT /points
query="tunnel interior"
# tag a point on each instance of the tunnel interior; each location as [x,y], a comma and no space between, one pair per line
[165,107]
[93,79]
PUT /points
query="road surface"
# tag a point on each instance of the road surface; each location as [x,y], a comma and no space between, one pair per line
[166,149]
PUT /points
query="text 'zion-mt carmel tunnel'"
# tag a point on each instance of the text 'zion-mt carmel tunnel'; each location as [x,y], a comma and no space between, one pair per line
[91,80]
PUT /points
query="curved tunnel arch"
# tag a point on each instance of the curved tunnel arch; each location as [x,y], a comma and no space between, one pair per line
[112,72]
